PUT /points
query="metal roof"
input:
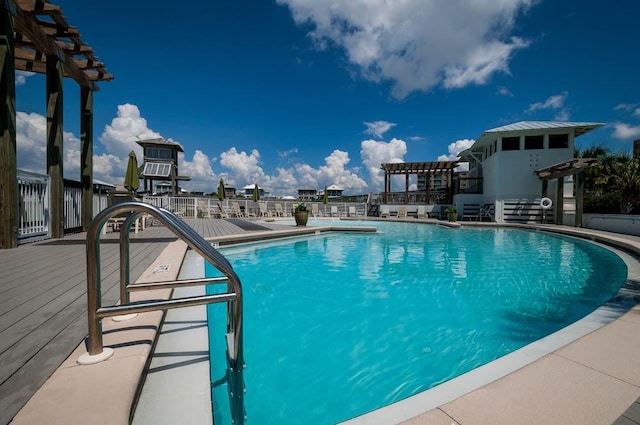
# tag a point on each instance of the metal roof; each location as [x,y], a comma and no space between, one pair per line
[489,136]
[160,142]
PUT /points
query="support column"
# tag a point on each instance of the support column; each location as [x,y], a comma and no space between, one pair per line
[560,200]
[545,189]
[8,168]
[406,188]
[386,184]
[55,147]
[579,197]
[86,155]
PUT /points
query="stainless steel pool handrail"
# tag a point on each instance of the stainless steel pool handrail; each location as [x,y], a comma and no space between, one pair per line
[233,296]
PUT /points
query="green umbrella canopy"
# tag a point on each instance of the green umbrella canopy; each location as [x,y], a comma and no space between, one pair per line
[256,193]
[221,194]
[132,178]
[325,196]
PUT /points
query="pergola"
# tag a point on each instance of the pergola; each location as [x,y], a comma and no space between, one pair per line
[417,168]
[35,37]
[559,171]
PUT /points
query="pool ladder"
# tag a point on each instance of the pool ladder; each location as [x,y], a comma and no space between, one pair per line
[233,297]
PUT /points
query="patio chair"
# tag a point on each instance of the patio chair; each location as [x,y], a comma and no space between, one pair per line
[315,211]
[352,212]
[279,210]
[384,211]
[402,211]
[487,212]
[421,212]
[334,211]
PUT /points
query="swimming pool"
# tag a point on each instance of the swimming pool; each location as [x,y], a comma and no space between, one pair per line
[338,325]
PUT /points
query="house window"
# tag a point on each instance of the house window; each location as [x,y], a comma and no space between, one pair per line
[510,143]
[558,141]
[533,142]
[158,153]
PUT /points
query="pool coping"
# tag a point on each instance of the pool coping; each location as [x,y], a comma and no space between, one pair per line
[51,404]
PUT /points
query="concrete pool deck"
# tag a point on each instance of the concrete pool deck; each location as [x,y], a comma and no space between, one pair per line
[590,381]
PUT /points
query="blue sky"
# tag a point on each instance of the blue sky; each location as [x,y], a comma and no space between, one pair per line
[308,93]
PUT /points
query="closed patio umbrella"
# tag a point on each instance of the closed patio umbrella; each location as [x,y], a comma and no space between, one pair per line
[256,193]
[221,194]
[132,178]
[325,196]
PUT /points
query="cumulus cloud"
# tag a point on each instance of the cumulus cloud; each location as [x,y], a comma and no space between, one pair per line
[414,44]
[119,137]
[626,131]
[454,150]
[374,153]
[334,171]
[378,128]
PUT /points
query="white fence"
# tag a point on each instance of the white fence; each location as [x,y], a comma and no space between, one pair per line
[205,207]
[33,206]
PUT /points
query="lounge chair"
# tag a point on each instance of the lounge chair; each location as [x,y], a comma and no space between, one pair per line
[237,211]
[334,211]
[352,212]
[402,211]
[279,210]
[384,211]
[315,210]
[264,212]
[421,212]
[222,211]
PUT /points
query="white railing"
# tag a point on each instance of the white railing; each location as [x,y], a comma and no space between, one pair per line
[207,207]
[72,196]
[33,207]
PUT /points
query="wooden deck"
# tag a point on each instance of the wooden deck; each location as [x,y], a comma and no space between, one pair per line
[43,299]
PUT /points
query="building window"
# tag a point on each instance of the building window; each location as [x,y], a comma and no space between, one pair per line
[158,153]
[533,142]
[510,143]
[558,141]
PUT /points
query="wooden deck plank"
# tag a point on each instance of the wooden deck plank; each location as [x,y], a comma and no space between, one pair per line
[43,300]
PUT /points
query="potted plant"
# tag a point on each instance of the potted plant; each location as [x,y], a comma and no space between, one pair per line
[301,214]
[452,213]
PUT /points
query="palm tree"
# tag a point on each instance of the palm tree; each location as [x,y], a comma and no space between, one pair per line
[625,180]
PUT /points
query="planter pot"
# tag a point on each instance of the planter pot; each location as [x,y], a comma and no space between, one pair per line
[301,217]
[452,216]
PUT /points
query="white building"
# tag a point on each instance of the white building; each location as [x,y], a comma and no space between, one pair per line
[507,158]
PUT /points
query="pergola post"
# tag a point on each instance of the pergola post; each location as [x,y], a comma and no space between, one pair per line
[8,166]
[406,188]
[579,197]
[545,188]
[560,200]
[55,147]
[86,154]
[386,185]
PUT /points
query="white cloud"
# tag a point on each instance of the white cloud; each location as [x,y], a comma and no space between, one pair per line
[417,44]
[553,102]
[626,131]
[21,77]
[334,171]
[454,150]
[119,137]
[378,128]
[503,91]
[374,153]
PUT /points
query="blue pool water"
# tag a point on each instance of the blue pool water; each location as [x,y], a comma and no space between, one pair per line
[339,325]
